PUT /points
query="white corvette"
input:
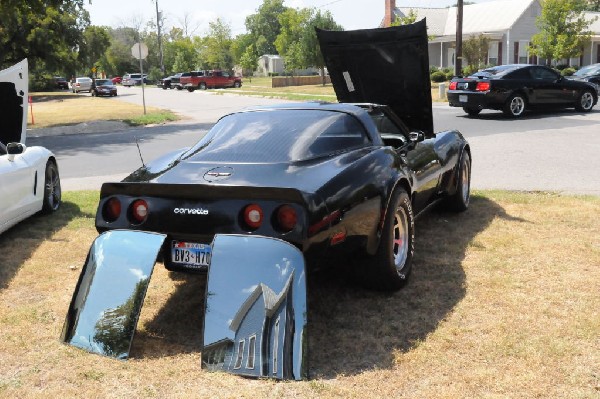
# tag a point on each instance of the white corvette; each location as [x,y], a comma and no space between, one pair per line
[29,180]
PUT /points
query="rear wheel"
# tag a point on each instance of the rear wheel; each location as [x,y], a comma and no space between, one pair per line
[514,106]
[585,102]
[236,85]
[459,201]
[472,111]
[391,265]
[52,191]
[190,89]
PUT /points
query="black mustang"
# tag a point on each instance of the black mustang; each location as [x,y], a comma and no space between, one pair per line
[515,88]
[328,178]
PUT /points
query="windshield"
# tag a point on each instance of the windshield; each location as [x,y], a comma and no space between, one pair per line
[279,136]
[588,70]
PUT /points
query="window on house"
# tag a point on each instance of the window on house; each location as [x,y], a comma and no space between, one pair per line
[493,53]
[523,51]
[275,346]
[251,352]
[240,354]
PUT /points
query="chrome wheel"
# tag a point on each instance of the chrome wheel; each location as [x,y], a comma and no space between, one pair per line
[517,106]
[400,238]
[52,190]
[466,181]
[586,101]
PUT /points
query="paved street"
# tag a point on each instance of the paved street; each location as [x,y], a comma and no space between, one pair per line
[557,151]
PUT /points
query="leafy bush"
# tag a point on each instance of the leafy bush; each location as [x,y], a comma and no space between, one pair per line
[438,77]
[560,67]
[432,69]
[567,71]
[449,75]
[42,81]
[155,74]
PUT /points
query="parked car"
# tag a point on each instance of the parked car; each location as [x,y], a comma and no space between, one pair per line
[171,82]
[116,79]
[133,79]
[29,179]
[104,87]
[516,88]
[270,189]
[61,83]
[209,79]
[589,73]
[82,84]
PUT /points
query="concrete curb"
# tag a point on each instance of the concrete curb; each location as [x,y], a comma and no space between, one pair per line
[86,127]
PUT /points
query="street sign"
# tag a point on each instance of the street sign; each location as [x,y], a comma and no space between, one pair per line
[139,51]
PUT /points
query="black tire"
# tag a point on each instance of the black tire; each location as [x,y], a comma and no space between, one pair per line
[179,87]
[165,87]
[202,86]
[237,85]
[459,201]
[52,190]
[585,101]
[190,89]
[515,105]
[391,266]
[472,111]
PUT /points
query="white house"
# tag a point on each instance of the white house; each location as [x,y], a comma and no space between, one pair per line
[509,24]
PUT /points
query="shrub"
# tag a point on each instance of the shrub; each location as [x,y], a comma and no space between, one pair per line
[438,77]
[449,75]
[567,71]
[433,69]
[41,82]
[560,67]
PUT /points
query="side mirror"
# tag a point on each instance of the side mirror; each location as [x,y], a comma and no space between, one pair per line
[13,149]
[416,136]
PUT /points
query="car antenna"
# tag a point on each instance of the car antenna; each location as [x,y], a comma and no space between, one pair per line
[139,151]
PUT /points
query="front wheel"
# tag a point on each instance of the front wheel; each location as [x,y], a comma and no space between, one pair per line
[585,102]
[514,106]
[52,191]
[391,265]
[237,85]
[202,86]
[190,89]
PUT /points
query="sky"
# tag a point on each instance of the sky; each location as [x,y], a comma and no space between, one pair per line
[351,14]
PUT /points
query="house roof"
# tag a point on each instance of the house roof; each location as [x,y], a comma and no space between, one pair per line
[490,16]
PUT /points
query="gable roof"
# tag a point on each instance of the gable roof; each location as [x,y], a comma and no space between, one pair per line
[491,16]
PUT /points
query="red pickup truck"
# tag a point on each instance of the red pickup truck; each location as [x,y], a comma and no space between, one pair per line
[208,79]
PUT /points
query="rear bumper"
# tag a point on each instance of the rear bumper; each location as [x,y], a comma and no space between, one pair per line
[467,99]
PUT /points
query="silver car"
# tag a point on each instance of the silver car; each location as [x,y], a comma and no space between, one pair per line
[133,79]
[82,84]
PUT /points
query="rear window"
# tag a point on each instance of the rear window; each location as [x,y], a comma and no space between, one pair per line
[495,72]
[103,82]
[279,136]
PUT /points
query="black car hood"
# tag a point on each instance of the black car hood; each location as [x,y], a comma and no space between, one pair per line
[384,66]
[14,82]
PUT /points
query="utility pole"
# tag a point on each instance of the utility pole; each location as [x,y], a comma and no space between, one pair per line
[458,53]
[158,26]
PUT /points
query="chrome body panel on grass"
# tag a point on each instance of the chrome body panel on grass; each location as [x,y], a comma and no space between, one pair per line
[256,311]
[107,301]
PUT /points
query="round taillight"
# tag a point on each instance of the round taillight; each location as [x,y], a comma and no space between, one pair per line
[111,209]
[286,218]
[253,216]
[139,211]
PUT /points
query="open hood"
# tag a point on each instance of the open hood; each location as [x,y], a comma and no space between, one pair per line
[14,83]
[387,66]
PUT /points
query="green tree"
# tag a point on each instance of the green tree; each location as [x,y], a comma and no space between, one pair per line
[264,26]
[248,61]
[215,49]
[46,32]
[475,50]
[293,24]
[310,43]
[563,30]
[593,5]
[410,18]
[93,50]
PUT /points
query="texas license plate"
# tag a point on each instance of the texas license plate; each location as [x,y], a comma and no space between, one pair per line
[190,253]
[463,98]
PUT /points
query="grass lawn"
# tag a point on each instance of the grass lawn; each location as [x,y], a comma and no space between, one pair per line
[503,303]
[65,108]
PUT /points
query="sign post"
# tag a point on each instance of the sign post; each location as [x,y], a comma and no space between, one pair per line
[140,52]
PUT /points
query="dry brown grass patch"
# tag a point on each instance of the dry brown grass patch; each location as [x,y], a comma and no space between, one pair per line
[503,302]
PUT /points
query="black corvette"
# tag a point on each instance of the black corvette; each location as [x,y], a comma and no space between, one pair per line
[516,88]
[267,193]
[328,178]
